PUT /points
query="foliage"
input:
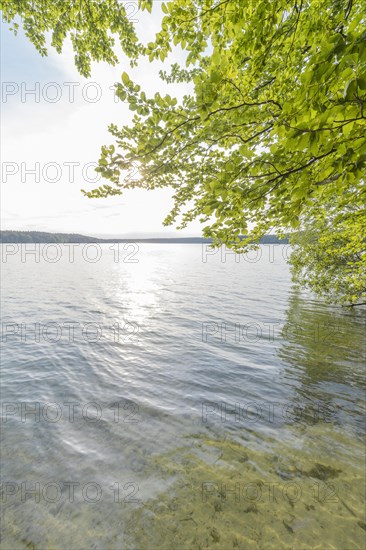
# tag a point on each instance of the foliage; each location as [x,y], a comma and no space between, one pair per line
[91,26]
[329,254]
[276,117]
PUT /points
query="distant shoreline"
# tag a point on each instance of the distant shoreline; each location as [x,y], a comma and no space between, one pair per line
[19,237]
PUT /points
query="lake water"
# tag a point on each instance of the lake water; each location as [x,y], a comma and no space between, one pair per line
[159,396]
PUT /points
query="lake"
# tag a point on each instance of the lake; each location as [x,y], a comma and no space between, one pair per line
[165,396]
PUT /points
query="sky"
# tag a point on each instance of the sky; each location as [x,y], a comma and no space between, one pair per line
[54,122]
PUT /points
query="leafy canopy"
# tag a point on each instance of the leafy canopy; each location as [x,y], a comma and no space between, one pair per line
[276,121]
[91,25]
[329,253]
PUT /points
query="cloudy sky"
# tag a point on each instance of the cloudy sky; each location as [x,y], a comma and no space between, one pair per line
[54,122]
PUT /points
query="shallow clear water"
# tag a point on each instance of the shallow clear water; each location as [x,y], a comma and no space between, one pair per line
[168,398]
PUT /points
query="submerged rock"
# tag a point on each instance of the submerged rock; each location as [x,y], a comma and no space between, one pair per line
[323,472]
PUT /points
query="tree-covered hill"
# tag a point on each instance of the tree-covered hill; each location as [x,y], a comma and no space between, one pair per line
[42,237]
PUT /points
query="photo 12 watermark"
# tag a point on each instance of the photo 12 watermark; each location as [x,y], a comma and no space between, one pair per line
[268,252]
[92,412]
[268,491]
[53,332]
[56,491]
[53,172]
[269,412]
[55,252]
[222,332]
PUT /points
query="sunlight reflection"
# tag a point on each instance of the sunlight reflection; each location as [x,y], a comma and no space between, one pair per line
[138,290]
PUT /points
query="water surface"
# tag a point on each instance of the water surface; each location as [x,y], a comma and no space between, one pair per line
[169,398]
